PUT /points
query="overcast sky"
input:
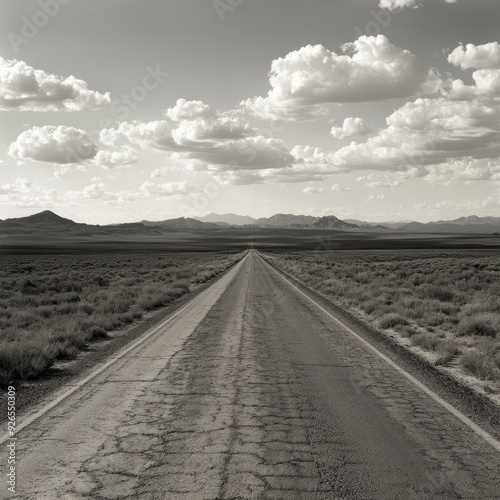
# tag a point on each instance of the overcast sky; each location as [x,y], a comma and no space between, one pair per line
[123,110]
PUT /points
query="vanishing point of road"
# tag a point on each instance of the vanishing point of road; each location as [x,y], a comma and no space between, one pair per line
[251,391]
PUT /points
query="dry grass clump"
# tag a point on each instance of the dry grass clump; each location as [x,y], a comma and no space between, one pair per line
[392,320]
[484,325]
[446,303]
[52,306]
[483,361]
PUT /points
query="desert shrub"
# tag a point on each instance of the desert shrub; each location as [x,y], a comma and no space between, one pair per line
[97,332]
[435,319]
[5,313]
[392,320]
[65,309]
[24,319]
[71,298]
[482,364]
[116,304]
[448,309]
[482,304]
[484,325]
[426,341]
[29,287]
[428,291]
[417,279]
[23,360]
[45,311]
[447,350]
[101,281]
[408,331]
[371,305]
[86,308]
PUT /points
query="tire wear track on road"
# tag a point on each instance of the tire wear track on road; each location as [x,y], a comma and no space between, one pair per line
[253,394]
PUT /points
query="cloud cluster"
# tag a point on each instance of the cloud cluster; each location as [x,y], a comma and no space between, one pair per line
[338,187]
[307,81]
[485,56]
[167,189]
[123,156]
[25,193]
[454,136]
[150,135]
[97,191]
[312,190]
[23,88]
[69,147]
[53,144]
[19,186]
[401,4]
[485,59]
[350,128]
[429,132]
[211,139]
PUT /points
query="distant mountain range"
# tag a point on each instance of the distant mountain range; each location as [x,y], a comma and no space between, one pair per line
[279,221]
[183,223]
[230,219]
[50,224]
[471,224]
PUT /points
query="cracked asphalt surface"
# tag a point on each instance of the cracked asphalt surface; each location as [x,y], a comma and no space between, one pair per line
[252,393]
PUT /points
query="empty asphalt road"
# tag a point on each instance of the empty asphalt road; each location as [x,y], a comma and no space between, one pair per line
[251,392]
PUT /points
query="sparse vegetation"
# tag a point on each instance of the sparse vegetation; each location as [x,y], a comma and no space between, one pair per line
[446,303]
[52,306]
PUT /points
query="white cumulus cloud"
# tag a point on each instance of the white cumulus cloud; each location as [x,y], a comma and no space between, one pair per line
[189,110]
[305,82]
[23,88]
[54,144]
[485,56]
[485,60]
[350,128]
[120,157]
[313,190]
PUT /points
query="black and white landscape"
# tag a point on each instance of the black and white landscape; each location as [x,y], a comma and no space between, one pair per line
[250,249]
